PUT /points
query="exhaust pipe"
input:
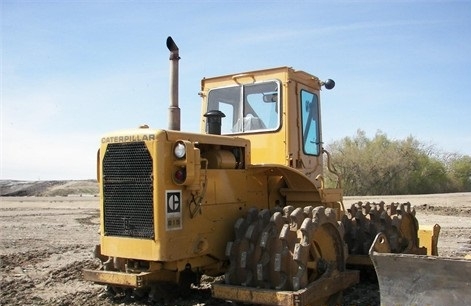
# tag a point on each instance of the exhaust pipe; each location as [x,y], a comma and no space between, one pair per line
[173,110]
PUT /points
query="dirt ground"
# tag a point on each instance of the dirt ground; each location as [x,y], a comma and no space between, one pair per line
[45,242]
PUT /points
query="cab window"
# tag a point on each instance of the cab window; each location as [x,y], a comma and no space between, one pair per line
[249,108]
[310,122]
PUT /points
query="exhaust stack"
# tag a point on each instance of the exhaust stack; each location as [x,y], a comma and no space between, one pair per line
[173,110]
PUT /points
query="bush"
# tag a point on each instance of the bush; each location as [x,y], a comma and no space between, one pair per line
[383,166]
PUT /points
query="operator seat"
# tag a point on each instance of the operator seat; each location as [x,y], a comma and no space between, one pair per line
[249,123]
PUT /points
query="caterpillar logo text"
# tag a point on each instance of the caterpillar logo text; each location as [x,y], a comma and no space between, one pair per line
[128,138]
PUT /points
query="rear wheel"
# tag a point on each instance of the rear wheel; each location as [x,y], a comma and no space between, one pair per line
[397,222]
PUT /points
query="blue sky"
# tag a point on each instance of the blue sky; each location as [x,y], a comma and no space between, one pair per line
[74,70]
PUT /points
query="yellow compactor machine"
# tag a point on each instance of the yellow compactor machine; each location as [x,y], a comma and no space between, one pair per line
[244,198]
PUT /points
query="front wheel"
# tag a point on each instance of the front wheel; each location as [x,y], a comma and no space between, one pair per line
[286,249]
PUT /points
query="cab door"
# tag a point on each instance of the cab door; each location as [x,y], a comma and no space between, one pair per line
[310,136]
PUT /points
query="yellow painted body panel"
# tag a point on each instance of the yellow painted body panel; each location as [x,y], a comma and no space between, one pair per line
[130,247]
[229,193]
[428,238]
[203,234]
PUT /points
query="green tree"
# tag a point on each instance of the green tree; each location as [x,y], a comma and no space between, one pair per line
[370,166]
[459,167]
[383,166]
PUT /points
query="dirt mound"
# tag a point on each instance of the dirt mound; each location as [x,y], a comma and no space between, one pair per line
[443,210]
[12,188]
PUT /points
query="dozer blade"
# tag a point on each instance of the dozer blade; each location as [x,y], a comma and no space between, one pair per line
[406,279]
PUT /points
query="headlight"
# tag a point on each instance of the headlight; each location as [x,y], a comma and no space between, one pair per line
[179,150]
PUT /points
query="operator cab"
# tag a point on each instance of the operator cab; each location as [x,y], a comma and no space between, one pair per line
[277,109]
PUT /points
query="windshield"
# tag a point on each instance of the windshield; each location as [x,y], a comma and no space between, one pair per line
[248,108]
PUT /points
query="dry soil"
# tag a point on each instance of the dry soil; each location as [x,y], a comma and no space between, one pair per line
[45,242]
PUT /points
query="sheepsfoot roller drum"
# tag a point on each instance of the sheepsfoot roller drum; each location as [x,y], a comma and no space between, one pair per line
[408,279]
[398,224]
[289,256]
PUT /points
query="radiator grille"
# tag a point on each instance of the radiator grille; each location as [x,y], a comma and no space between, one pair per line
[128,191]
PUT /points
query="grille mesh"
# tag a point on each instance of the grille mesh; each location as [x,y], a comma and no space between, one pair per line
[127,190]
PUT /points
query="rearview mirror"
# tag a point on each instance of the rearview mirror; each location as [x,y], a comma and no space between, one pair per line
[269,98]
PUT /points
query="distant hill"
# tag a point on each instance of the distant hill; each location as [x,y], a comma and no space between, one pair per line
[13,188]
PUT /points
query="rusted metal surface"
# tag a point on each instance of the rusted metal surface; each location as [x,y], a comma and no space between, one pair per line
[131,280]
[116,278]
[314,294]
[363,221]
[285,250]
[293,256]
[174,109]
[406,279]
